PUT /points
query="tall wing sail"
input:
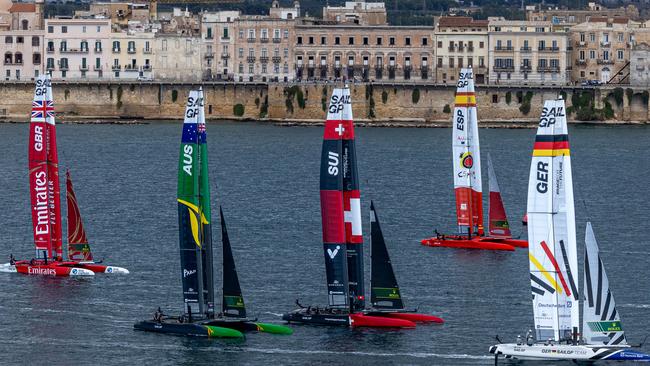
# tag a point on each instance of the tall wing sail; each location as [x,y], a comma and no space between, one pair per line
[384,290]
[331,199]
[467,157]
[601,322]
[498,224]
[44,174]
[204,209]
[189,216]
[351,203]
[551,228]
[78,248]
[233,301]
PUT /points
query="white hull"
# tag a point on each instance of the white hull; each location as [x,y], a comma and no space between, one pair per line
[75,272]
[7,268]
[116,270]
[542,352]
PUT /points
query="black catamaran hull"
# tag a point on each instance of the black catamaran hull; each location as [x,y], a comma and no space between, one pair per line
[347,320]
[198,329]
[317,319]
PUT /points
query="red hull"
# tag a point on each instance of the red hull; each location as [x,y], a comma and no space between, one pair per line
[414,317]
[57,269]
[464,243]
[514,242]
[362,320]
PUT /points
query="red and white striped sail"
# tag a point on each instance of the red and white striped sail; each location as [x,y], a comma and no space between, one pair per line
[551,228]
[78,248]
[467,157]
[498,220]
[44,173]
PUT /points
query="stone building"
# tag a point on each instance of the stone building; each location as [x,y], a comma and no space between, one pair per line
[77,48]
[131,55]
[347,51]
[640,64]
[570,17]
[527,52]
[460,42]
[601,50]
[21,40]
[357,12]
[177,57]
[218,36]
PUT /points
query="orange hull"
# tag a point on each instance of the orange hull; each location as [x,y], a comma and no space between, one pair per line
[414,317]
[362,320]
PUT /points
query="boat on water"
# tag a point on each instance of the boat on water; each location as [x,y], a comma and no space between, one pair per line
[46,203]
[385,297]
[468,184]
[195,240]
[342,232]
[553,264]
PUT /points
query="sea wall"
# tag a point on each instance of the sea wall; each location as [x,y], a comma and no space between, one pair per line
[384,103]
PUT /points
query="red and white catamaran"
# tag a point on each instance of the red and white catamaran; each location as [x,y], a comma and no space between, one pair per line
[46,202]
[468,184]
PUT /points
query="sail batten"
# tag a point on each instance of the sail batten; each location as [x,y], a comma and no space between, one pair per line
[466,157]
[44,174]
[78,247]
[551,228]
[384,290]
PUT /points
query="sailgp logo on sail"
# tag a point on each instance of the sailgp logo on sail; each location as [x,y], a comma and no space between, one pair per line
[333,253]
[188,273]
[337,103]
[193,107]
[548,116]
[187,159]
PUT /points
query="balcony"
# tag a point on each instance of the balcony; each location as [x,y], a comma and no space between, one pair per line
[503,68]
[581,62]
[98,50]
[250,59]
[209,55]
[548,69]
[130,50]
[264,59]
[525,68]
[276,59]
[548,49]
[146,67]
[146,51]
[470,49]
[10,62]
[50,67]
[116,67]
[526,49]
[605,62]
[277,40]
[503,48]
[83,67]
[116,50]
[264,39]
[49,50]
[73,50]
[97,67]
[225,56]
[451,48]
[251,40]
[482,66]
[131,67]
[461,48]
[64,67]
[581,44]
[605,44]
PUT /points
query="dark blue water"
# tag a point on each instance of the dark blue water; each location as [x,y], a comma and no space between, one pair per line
[266,178]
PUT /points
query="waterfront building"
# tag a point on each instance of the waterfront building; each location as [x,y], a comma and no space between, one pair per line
[460,42]
[77,48]
[218,44]
[527,52]
[131,55]
[601,50]
[177,57]
[357,12]
[21,40]
[539,13]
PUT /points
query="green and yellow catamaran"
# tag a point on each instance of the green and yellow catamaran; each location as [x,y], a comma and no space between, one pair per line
[195,239]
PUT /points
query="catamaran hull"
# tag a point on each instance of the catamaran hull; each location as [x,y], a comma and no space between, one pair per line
[354,320]
[54,269]
[567,352]
[464,243]
[100,268]
[412,317]
[250,326]
[318,319]
[187,329]
[7,268]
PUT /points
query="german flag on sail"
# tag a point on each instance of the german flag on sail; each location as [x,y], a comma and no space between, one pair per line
[551,145]
[465,99]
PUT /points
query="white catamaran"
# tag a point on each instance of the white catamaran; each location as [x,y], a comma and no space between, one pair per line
[553,264]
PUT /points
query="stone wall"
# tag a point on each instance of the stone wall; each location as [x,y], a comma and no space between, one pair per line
[388,103]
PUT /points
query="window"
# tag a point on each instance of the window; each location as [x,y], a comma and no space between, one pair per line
[439,44]
[241,52]
[481,44]
[264,69]
[164,45]
[241,68]
[9,39]
[481,61]
[350,40]
[311,40]
[365,41]
[470,62]
[425,41]
[606,55]
[592,54]
[451,62]
[337,40]
[251,52]
[581,55]
[64,46]
[241,34]
[470,46]
[84,46]
[286,52]
[83,29]
[620,54]
[24,24]
[460,62]
[592,37]
[391,41]
[439,61]
[36,58]
[64,29]
[407,41]
[98,46]
[251,68]
[379,41]
[99,28]
[323,40]
[542,45]
[131,47]
[36,41]
[299,40]
[251,34]
[50,29]
[620,37]
[225,33]
[582,37]
[286,33]
[209,33]
[116,46]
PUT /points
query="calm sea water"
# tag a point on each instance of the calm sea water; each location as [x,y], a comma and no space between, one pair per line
[266,179]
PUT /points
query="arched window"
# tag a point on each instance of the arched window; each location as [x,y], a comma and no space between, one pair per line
[25,24]
[84,46]
[8,58]
[36,41]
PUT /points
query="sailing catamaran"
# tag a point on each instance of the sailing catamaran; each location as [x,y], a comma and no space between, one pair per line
[553,263]
[341,220]
[468,183]
[195,238]
[385,297]
[46,202]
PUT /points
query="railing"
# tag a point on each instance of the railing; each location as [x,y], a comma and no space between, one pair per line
[581,62]
[251,40]
[64,68]
[605,62]
[98,50]
[250,59]
[581,44]
[116,67]
[130,67]
[526,49]
[74,50]
[116,50]
[502,48]
[97,67]
[276,59]
[49,50]
[264,39]
[605,44]
[264,59]
[503,68]
[130,50]
[83,67]
[146,50]
[13,62]
[548,49]
[470,48]
[526,68]
[209,55]
[551,69]
[50,67]
[146,67]
[277,40]
[451,48]
[461,48]
[225,55]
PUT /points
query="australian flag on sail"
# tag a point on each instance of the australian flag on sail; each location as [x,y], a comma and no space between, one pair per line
[42,109]
[190,133]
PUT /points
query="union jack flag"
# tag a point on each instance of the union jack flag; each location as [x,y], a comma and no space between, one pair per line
[42,109]
[201,128]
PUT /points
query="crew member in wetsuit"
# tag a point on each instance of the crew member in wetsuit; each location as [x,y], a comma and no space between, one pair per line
[12,260]
[157,316]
